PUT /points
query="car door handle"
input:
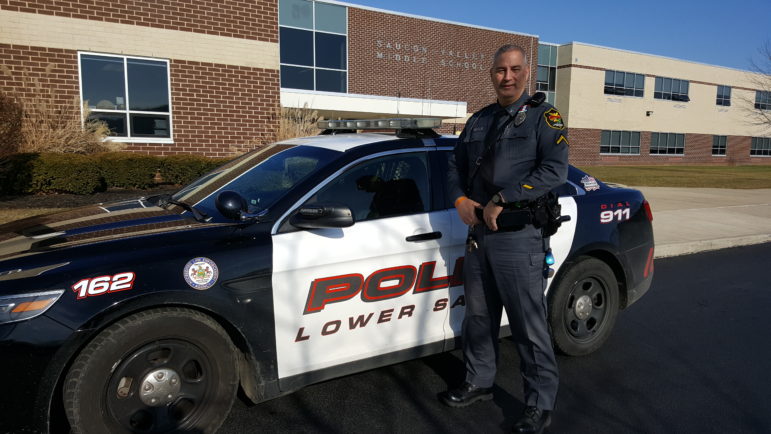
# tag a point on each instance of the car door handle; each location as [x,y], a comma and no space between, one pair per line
[424,237]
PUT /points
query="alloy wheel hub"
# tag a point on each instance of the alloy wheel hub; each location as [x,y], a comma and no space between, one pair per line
[583,307]
[160,387]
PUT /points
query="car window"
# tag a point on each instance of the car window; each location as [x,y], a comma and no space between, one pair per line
[382,187]
[260,177]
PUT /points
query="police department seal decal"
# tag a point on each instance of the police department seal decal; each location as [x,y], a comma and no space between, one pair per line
[201,273]
[590,184]
[553,119]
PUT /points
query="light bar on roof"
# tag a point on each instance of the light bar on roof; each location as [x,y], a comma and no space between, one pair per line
[381,124]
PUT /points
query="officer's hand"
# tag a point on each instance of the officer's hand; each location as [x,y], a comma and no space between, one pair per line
[466,212]
[490,214]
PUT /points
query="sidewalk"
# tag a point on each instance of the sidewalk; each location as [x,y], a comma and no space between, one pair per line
[689,220]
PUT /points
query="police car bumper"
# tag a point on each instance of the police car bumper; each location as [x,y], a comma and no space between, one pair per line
[29,367]
[636,292]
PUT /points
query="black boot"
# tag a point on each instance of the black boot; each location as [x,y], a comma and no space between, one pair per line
[533,421]
[466,394]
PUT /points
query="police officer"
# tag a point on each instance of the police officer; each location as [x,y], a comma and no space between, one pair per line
[509,154]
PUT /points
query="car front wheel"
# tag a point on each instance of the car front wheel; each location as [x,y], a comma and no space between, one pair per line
[583,306]
[160,370]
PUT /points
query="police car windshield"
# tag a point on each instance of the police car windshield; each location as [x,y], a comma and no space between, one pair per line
[261,176]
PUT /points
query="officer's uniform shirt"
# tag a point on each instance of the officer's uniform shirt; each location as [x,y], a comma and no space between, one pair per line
[526,162]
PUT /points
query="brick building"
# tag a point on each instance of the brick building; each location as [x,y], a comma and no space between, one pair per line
[208,76]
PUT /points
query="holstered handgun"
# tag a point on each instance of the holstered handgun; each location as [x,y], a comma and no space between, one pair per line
[510,218]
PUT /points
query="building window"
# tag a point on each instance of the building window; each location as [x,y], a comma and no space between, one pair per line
[724,95]
[719,145]
[313,40]
[620,142]
[763,100]
[130,94]
[667,143]
[624,83]
[760,146]
[546,76]
[671,89]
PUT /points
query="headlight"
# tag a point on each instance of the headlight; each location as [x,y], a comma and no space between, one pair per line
[15,308]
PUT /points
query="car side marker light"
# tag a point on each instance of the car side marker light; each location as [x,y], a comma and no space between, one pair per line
[648,212]
[30,306]
[26,306]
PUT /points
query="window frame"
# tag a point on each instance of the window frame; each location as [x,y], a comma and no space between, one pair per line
[548,87]
[718,146]
[622,90]
[668,146]
[128,112]
[621,145]
[762,100]
[722,99]
[762,142]
[659,93]
[313,67]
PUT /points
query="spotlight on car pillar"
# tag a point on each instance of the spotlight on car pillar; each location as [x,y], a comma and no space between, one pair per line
[231,204]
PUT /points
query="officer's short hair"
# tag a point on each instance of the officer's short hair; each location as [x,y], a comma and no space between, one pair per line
[509,47]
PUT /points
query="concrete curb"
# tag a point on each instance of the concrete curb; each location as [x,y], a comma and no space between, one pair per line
[686,248]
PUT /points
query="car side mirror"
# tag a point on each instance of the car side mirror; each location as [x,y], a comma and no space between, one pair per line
[319,216]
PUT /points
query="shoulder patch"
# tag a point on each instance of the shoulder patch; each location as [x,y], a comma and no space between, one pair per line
[554,119]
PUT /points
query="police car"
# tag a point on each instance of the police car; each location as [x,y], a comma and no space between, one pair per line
[302,261]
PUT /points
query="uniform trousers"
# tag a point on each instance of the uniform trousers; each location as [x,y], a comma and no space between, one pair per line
[506,270]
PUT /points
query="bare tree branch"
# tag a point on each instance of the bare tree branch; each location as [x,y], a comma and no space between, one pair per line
[760,78]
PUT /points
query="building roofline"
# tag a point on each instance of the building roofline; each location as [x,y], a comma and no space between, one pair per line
[420,17]
[652,55]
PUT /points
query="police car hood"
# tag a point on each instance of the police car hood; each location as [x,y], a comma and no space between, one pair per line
[94,223]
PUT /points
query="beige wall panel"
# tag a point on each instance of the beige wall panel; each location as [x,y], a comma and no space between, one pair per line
[565,54]
[610,58]
[589,107]
[88,35]
[562,101]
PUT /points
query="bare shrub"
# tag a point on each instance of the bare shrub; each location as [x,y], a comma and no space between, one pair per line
[10,124]
[50,125]
[296,122]
[292,122]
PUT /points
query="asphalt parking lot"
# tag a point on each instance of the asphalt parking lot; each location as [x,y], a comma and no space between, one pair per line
[690,357]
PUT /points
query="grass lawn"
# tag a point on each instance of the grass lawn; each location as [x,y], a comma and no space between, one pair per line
[743,177]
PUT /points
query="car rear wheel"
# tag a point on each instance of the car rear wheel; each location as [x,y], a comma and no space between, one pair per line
[583,307]
[161,370]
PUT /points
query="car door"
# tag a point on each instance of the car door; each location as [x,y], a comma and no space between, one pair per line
[346,294]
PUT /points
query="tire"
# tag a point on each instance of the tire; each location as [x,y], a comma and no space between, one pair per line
[583,307]
[161,370]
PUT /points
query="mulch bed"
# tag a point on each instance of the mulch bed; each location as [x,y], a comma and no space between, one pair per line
[74,200]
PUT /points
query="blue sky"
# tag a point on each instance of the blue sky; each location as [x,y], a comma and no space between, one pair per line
[714,32]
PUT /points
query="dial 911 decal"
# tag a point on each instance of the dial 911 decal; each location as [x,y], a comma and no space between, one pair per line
[104,284]
[618,211]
